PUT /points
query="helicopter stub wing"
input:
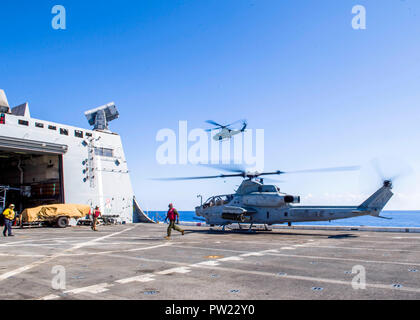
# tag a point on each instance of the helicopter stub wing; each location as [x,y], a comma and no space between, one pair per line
[237,214]
[238,210]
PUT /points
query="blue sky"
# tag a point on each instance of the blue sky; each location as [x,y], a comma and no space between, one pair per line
[325,94]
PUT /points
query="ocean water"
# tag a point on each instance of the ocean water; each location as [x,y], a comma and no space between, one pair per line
[399,219]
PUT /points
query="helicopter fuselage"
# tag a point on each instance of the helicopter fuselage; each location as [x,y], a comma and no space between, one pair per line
[226,134]
[257,203]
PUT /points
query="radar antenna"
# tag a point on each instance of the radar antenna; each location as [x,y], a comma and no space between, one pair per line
[101,116]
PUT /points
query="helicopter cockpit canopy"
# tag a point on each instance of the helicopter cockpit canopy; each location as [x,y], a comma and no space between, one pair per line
[218,201]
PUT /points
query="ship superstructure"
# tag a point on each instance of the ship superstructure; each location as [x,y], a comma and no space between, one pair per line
[43,162]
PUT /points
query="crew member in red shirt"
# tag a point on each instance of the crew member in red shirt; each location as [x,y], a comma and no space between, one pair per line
[173,216]
[96,215]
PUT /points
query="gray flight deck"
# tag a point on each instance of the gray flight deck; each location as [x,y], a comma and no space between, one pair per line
[136,262]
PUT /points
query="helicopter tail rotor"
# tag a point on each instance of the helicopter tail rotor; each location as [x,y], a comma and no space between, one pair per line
[389,180]
[393,174]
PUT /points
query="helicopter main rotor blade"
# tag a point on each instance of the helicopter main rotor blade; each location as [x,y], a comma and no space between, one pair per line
[238,172]
[334,169]
[215,123]
[278,172]
[273,180]
[270,173]
[239,121]
[229,168]
[200,178]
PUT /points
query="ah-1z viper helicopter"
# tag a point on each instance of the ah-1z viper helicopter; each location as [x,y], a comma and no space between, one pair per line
[226,132]
[257,203]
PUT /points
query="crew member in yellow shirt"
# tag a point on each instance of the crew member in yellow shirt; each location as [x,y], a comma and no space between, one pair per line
[9,217]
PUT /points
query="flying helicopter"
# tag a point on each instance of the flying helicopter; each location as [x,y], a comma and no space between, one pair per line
[257,203]
[226,132]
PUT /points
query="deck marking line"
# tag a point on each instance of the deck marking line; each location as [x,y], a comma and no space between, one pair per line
[117,251]
[262,273]
[95,289]
[206,263]
[143,278]
[307,257]
[175,270]
[50,297]
[49,258]
[253,254]
[406,237]
[18,243]
[210,264]
[231,259]
[371,249]
[344,259]
[312,279]
[22,255]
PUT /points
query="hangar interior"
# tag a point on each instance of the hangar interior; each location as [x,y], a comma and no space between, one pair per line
[29,179]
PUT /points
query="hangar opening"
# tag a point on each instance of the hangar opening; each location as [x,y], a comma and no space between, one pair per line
[31,175]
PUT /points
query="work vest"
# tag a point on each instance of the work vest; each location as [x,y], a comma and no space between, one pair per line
[171,214]
[9,214]
[96,213]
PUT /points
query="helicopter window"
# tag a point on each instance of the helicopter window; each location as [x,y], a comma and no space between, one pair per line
[209,203]
[270,189]
[218,201]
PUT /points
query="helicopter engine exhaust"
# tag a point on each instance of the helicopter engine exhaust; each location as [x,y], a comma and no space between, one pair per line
[292,199]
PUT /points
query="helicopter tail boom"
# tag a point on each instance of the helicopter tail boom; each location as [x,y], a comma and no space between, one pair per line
[244,126]
[378,200]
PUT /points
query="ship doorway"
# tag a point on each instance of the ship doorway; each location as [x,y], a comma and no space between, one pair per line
[29,179]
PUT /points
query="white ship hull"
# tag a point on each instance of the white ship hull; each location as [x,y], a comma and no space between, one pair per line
[56,163]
